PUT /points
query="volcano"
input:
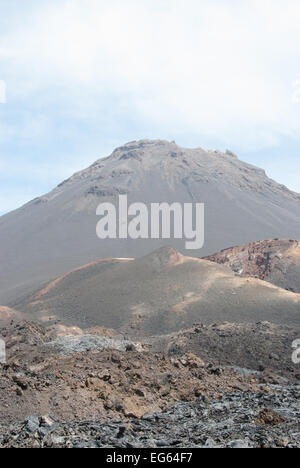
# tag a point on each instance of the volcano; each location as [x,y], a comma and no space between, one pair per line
[162,292]
[56,233]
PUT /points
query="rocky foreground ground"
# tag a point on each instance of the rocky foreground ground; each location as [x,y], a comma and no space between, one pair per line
[234,420]
[68,388]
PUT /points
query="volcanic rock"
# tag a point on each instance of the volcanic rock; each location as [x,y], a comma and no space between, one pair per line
[56,232]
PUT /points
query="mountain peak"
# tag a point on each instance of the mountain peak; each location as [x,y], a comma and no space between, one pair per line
[144,143]
[57,232]
[162,258]
[129,164]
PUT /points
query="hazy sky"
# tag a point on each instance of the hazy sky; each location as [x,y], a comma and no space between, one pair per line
[85,76]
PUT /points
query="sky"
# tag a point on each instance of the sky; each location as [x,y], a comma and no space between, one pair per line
[79,78]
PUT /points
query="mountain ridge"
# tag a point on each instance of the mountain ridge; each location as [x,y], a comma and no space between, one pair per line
[133,151]
[163,291]
[56,233]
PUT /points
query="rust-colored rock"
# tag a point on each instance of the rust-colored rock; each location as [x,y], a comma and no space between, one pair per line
[276,261]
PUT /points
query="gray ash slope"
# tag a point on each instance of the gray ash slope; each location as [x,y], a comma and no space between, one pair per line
[56,232]
[161,292]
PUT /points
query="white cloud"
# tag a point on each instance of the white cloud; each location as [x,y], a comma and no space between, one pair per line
[7,132]
[222,68]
